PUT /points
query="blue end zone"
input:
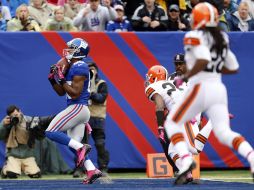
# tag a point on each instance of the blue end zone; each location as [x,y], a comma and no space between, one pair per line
[121,184]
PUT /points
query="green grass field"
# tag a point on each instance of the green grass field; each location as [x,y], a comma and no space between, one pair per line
[219,175]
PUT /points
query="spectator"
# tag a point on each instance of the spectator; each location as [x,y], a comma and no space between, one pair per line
[19,132]
[149,17]
[72,7]
[251,7]
[98,101]
[59,22]
[94,16]
[4,12]
[241,20]
[41,11]
[3,25]
[23,21]
[120,24]
[13,5]
[3,19]
[175,21]
[229,7]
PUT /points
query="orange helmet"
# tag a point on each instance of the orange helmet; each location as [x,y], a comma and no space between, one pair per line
[204,14]
[156,73]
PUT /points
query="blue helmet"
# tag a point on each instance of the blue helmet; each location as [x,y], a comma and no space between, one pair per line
[77,48]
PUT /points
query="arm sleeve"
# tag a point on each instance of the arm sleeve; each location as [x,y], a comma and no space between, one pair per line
[150,91]
[202,52]
[112,14]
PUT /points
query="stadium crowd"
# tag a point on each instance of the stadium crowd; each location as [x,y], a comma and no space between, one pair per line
[118,15]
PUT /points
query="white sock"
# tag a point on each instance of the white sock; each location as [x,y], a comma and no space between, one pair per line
[206,130]
[75,144]
[178,163]
[89,165]
[244,148]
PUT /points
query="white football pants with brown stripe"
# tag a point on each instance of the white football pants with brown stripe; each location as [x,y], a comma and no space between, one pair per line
[209,97]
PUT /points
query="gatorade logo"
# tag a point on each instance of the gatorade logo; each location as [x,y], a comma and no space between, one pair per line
[160,165]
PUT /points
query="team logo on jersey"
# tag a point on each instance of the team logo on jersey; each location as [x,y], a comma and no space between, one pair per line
[95,21]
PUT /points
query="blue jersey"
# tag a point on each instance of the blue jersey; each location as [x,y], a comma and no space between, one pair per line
[79,68]
[118,26]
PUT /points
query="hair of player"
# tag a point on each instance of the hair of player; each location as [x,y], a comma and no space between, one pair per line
[219,41]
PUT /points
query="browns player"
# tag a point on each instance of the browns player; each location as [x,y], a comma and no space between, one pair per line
[207,56]
[204,130]
[164,94]
[71,77]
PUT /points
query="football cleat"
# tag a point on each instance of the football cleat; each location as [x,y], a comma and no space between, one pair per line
[92,176]
[188,164]
[81,154]
[189,177]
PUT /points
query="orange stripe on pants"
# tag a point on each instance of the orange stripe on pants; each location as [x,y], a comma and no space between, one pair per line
[186,104]
[190,134]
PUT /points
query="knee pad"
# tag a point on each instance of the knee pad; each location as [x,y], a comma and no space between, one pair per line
[37,175]
[11,175]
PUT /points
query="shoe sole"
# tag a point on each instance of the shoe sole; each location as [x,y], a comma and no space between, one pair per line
[181,179]
[81,162]
[94,178]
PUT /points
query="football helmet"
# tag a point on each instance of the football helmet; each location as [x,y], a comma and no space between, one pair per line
[156,73]
[204,14]
[77,48]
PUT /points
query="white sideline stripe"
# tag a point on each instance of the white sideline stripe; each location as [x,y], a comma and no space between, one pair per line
[226,178]
[209,179]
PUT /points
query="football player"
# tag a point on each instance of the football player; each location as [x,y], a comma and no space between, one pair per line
[207,56]
[164,94]
[75,85]
[204,130]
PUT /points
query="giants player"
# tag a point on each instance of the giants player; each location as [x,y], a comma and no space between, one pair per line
[207,56]
[164,94]
[75,85]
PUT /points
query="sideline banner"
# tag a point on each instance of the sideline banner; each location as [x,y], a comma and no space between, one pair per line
[123,60]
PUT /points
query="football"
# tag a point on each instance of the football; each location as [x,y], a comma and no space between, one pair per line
[64,65]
